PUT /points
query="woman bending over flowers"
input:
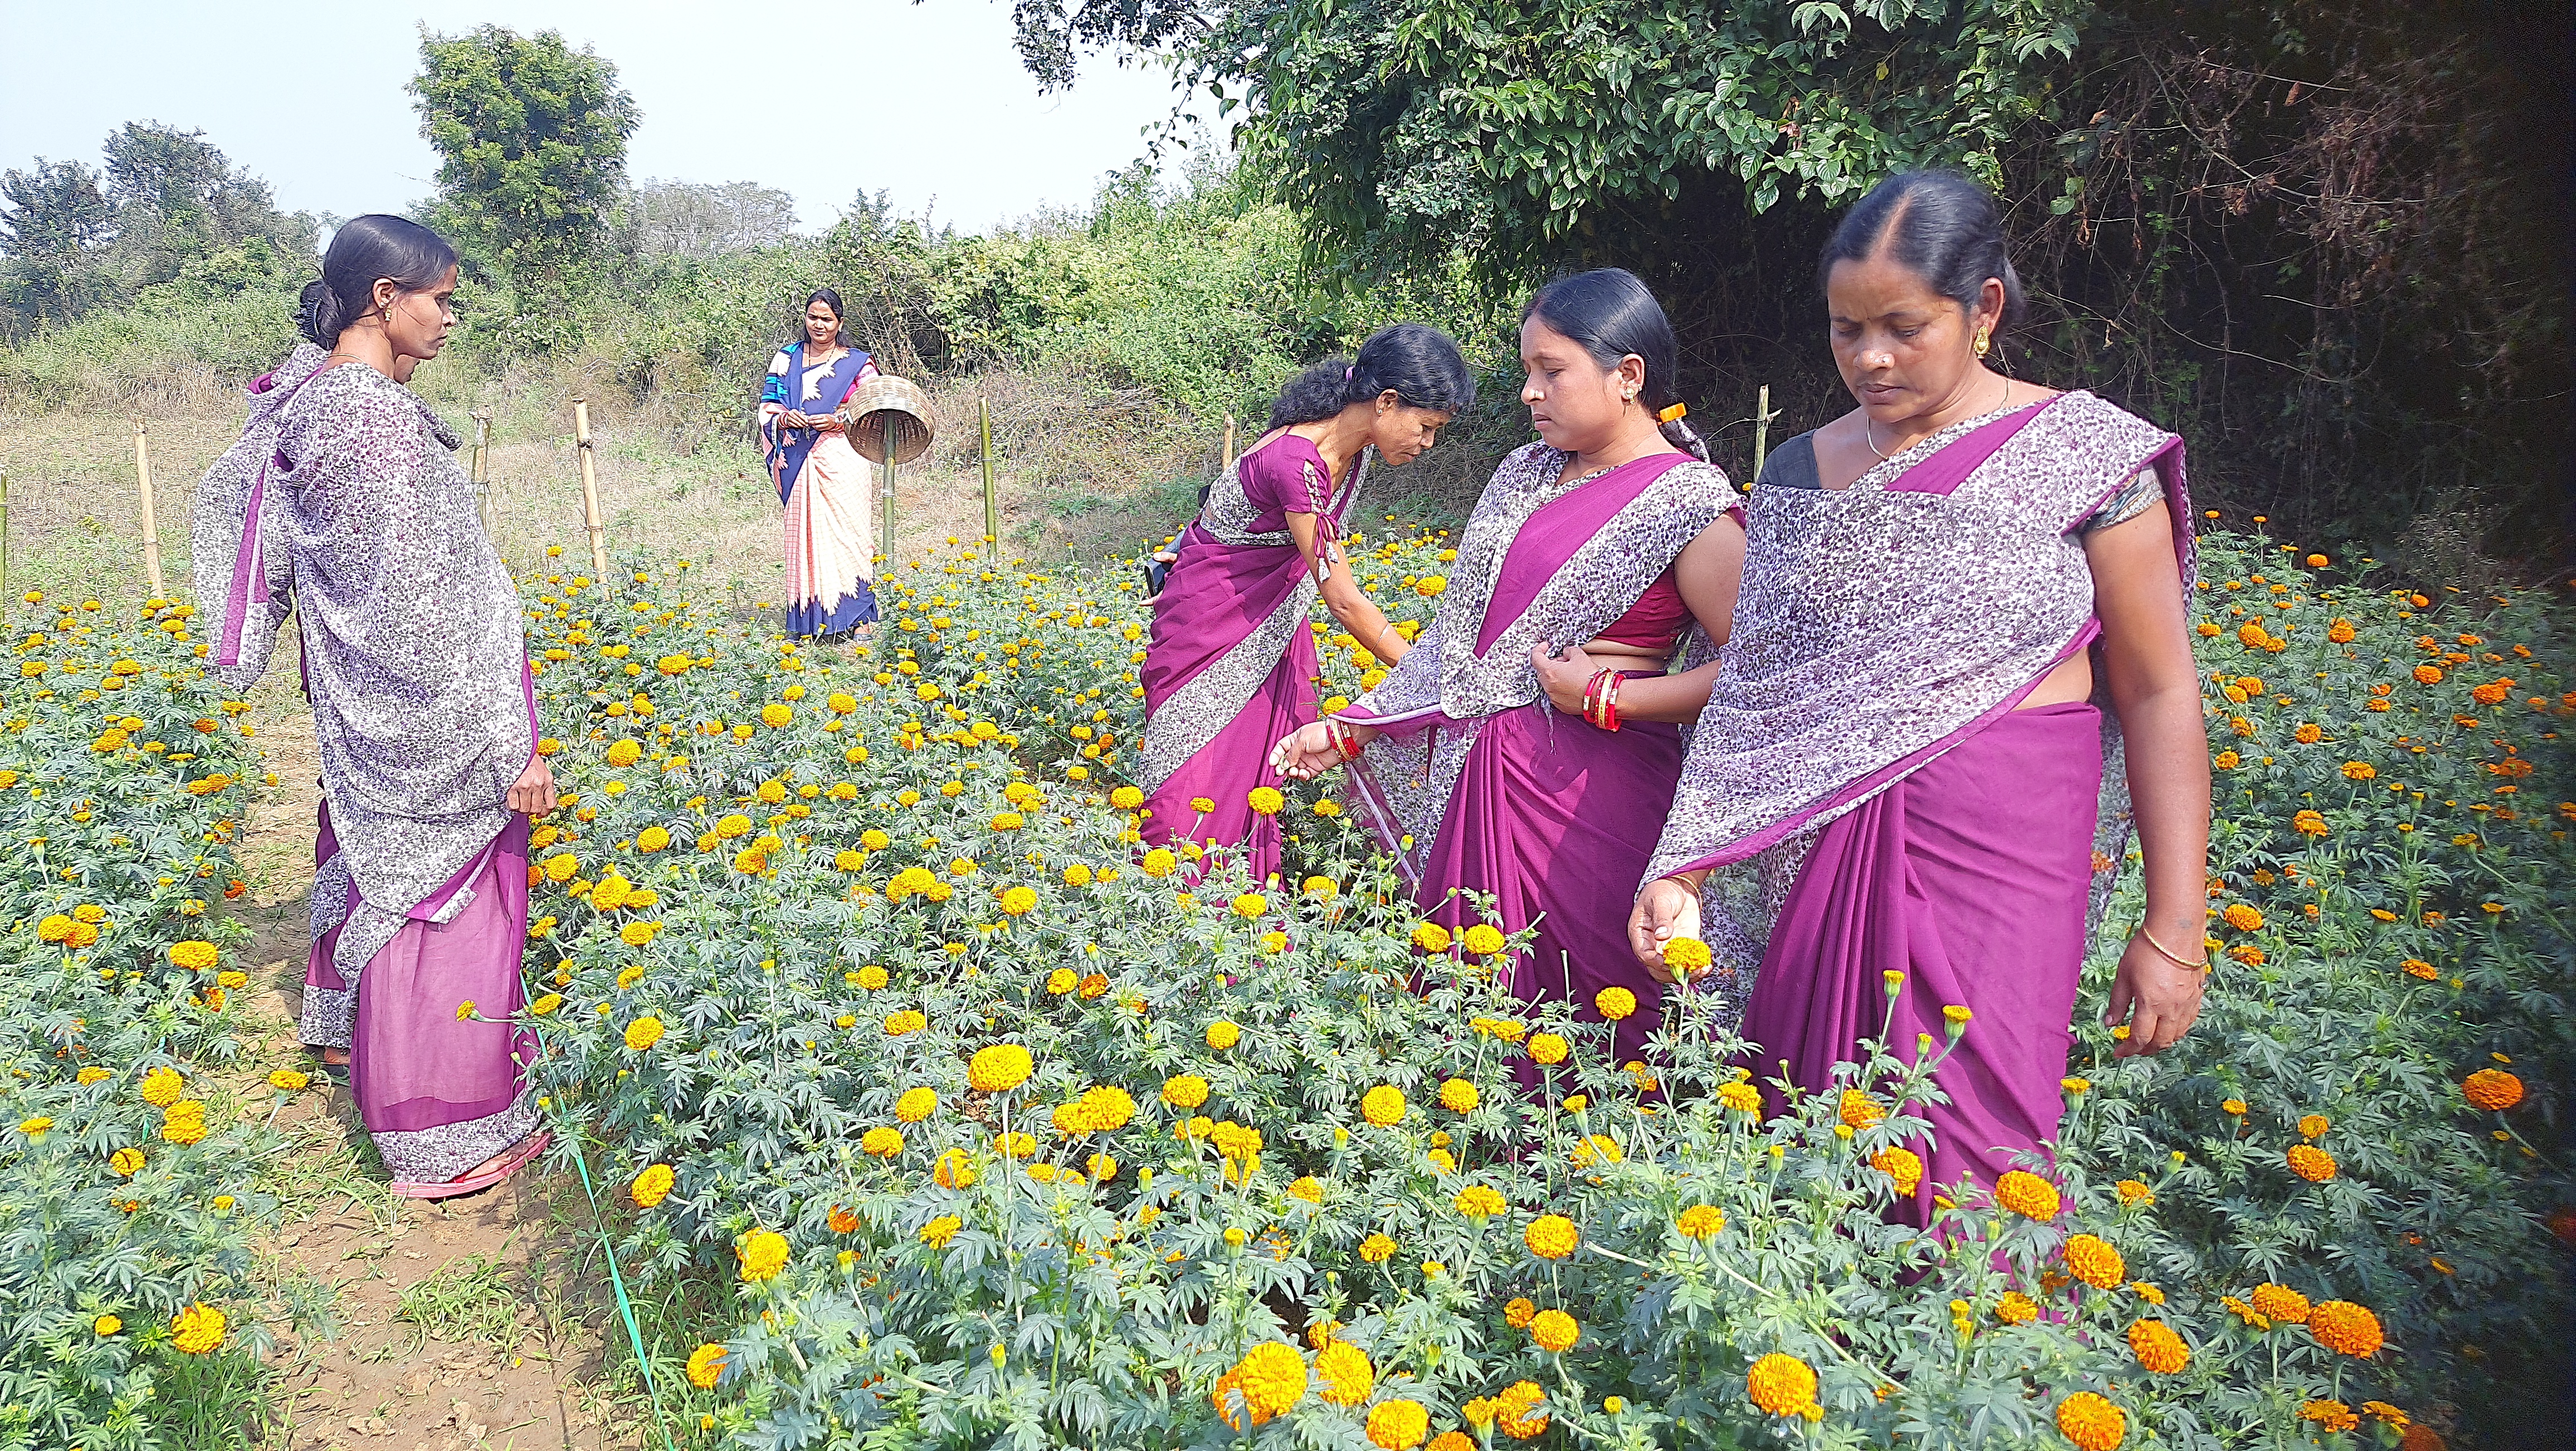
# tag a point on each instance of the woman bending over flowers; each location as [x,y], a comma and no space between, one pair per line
[416,666]
[1230,667]
[1960,600]
[1528,747]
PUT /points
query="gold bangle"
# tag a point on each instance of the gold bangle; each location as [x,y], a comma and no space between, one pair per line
[2176,958]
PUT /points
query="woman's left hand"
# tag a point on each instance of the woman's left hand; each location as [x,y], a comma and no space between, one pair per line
[1563,677]
[2158,998]
[534,791]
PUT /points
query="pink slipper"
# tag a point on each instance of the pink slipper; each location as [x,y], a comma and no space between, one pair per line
[453,1187]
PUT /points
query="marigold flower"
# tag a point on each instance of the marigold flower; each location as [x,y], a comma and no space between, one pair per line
[107,1325]
[1518,1411]
[2309,823]
[2157,1347]
[2329,1414]
[2313,1125]
[1859,1110]
[1782,1385]
[2492,1089]
[953,1170]
[1019,901]
[706,1366]
[644,1032]
[843,1220]
[2243,917]
[2428,675]
[1223,1034]
[193,955]
[1900,1164]
[881,1142]
[1431,937]
[2311,1163]
[1478,1202]
[2027,1194]
[1270,1378]
[1547,1048]
[1554,1330]
[1308,1188]
[1458,1095]
[1398,1425]
[1383,1105]
[1741,1097]
[2091,1422]
[2016,1308]
[125,1163]
[1598,1148]
[1159,863]
[2345,1328]
[1126,798]
[163,1087]
[1345,1372]
[1377,1249]
[1701,1221]
[938,1232]
[999,1068]
[2134,1192]
[197,1330]
[1551,1236]
[1615,1003]
[652,1185]
[2092,1259]
[2280,1303]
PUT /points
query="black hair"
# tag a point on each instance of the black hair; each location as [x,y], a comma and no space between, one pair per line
[363,250]
[1419,364]
[832,300]
[1940,226]
[1610,314]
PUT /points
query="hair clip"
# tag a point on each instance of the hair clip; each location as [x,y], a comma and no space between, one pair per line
[1669,414]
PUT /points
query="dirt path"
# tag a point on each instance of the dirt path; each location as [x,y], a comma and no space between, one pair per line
[440,1326]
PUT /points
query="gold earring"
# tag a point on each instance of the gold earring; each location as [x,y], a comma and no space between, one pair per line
[1984,341]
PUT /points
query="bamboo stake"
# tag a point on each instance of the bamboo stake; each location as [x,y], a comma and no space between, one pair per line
[590,491]
[483,478]
[1229,444]
[992,501]
[888,435]
[143,494]
[1762,416]
[4,534]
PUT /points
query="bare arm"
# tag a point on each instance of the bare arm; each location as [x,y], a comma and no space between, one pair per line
[1710,569]
[1343,596]
[2155,688]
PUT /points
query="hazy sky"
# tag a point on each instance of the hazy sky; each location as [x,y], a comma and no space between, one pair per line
[925,101]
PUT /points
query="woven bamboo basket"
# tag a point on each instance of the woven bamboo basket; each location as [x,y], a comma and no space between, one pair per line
[887,408]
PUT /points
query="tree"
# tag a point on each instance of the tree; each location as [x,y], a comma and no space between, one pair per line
[531,137]
[51,219]
[694,219]
[178,200]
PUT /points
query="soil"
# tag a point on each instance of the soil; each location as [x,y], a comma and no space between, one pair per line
[500,1350]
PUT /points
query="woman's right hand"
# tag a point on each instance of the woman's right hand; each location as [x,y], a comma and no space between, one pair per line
[1667,909]
[793,419]
[534,792]
[1306,754]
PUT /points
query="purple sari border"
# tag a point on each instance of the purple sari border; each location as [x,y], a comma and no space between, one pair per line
[1555,532]
[1949,467]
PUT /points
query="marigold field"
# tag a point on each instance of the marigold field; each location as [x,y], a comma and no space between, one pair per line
[935,1110]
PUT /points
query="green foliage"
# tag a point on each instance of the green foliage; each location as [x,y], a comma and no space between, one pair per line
[531,137]
[934,829]
[120,803]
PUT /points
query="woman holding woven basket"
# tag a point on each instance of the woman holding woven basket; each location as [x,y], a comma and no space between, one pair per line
[820,478]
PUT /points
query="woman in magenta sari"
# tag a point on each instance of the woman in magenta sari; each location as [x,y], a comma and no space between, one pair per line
[1528,746]
[831,563]
[1230,667]
[1959,674]
[345,502]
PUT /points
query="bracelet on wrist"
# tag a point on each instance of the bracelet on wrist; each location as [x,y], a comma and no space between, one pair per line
[2170,955]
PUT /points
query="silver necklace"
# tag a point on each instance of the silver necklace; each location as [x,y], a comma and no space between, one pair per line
[1866,436]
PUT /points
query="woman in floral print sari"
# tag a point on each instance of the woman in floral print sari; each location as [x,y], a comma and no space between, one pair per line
[415,664]
[1961,601]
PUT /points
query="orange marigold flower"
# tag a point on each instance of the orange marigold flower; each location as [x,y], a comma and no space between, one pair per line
[2345,1328]
[2493,1089]
[1902,1165]
[1859,1110]
[2428,674]
[2311,1163]
[1519,1313]
[2332,1415]
[2157,1347]
[2091,1259]
[2016,1308]
[2092,1422]
[2134,1192]
[2244,918]
[2027,1194]
[2280,1303]
[1782,1385]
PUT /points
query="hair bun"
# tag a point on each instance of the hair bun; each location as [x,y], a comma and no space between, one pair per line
[317,314]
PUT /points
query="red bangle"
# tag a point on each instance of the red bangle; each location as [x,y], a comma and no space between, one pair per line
[1610,701]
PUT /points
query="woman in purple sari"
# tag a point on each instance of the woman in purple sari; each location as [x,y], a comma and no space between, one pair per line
[1527,748]
[416,668]
[1960,673]
[831,558]
[1230,667]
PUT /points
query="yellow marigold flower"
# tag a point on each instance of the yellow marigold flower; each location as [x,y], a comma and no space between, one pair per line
[706,1366]
[1599,1148]
[2134,1192]
[2492,1089]
[125,1163]
[1126,798]
[1345,1372]
[1250,905]
[999,1068]
[1270,1378]
[55,928]
[776,715]
[1782,1385]
[1431,937]
[1223,1034]
[1615,1003]
[881,1142]
[1159,863]
[1686,956]
[651,1186]
[639,934]
[1901,1165]
[624,753]
[2311,1163]
[107,1325]
[1519,1313]
[762,1254]
[2091,1422]
[1484,939]
[872,977]
[1547,1048]
[1551,1236]
[1265,800]
[1518,1411]
[193,955]
[1554,1330]
[729,827]
[1398,1425]
[2313,1125]
[2309,823]
[1308,1188]
[197,1330]
[2360,771]
[2280,1303]
[1701,1221]
[1383,1105]
[1008,821]
[900,1023]
[916,1104]
[1478,1202]
[1202,805]
[1019,901]
[2396,1419]
[2345,1328]
[2157,1347]
[1377,1249]
[1741,1097]
[2027,1195]
[644,1032]
[2092,1259]
[2016,1308]
[1077,875]
[163,1087]
[1458,1095]
[94,1075]
[1860,1110]
[2329,1414]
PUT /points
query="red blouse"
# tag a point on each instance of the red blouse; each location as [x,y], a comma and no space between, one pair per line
[1655,621]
